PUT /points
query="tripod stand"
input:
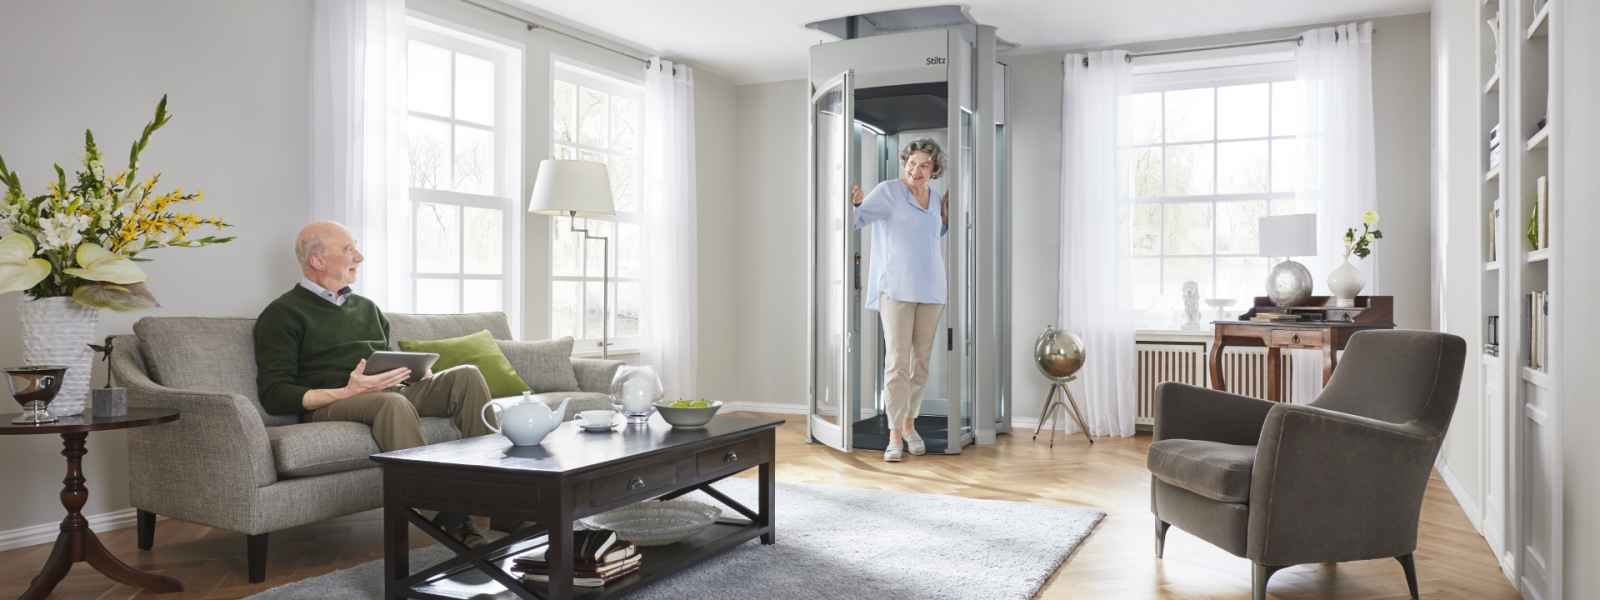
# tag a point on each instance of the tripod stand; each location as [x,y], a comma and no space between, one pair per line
[1052,403]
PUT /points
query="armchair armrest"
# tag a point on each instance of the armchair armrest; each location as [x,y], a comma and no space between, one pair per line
[1330,486]
[594,375]
[1196,413]
[213,457]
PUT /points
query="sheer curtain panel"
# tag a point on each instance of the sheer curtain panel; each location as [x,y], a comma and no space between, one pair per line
[358,91]
[1333,75]
[1096,221]
[669,340]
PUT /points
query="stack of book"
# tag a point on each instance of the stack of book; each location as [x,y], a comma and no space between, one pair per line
[1494,232]
[1491,344]
[1494,147]
[598,559]
[1536,332]
[1274,318]
[1539,231]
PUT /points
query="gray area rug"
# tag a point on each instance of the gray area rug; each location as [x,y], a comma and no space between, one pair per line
[837,542]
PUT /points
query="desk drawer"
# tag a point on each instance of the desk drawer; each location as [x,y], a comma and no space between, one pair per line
[1297,338]
[632,482]
[737,456]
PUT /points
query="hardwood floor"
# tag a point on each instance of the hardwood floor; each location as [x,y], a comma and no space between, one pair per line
[1116,561]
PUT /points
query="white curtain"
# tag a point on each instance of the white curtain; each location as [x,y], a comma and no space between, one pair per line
[1096,221]
[358,111]
[1333,75]
[669,340]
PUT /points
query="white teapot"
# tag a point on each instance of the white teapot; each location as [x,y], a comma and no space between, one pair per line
[525,421]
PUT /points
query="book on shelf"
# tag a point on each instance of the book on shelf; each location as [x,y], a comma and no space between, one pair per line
[1543,187]
[1494,137]
[1536,328]
[578,581]
[598,560]
[1494,231]
[1494,157]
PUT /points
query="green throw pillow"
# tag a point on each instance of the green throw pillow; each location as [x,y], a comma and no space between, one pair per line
[478,350]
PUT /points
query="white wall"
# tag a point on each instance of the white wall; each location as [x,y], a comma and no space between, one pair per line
[772,217]
[239,81]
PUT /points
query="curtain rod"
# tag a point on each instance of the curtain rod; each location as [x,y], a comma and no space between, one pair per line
[1298,40]
[532,26]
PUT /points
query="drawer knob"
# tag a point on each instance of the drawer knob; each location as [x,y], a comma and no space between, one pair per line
[1296,338]
[635,483]
[731,457]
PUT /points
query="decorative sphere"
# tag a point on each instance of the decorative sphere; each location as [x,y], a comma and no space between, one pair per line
[1059,354]
[1289,284]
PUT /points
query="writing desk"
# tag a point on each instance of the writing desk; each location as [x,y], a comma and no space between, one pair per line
[1323,327]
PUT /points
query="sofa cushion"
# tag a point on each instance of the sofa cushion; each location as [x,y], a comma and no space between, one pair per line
[404,326]
[205,354]
[1217,471]
[581,401]
[478,350]
[545,366]
[308,449]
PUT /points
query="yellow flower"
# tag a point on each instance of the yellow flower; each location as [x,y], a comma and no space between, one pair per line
[1369,217]
[99,264]
[18,269]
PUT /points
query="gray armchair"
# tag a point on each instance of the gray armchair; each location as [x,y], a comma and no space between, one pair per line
[228,464]
[1340,479]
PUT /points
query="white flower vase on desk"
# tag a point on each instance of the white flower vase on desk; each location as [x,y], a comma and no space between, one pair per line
[1346,283]
[58,331]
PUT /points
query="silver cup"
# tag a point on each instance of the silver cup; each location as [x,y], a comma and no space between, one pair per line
[34,387]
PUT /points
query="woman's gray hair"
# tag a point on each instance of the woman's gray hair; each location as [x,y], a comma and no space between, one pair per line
[935,154]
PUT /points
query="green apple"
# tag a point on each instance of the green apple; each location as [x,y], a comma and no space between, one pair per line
[699,404]
[680,404]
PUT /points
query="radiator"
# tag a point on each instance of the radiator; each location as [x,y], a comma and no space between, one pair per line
[1244,370]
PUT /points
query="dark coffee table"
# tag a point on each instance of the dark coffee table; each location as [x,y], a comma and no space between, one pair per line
[572,475]
[76,542]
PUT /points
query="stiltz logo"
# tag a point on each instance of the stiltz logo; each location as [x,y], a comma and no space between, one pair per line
[935,60]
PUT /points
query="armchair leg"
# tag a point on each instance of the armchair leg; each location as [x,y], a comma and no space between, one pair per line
[1259,574]
[256,557]
[1409,563]
[146,524]
[1161,537]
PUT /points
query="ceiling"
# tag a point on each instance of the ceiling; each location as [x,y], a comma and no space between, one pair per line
[755,41]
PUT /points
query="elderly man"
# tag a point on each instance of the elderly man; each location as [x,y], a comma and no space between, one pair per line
[311,349]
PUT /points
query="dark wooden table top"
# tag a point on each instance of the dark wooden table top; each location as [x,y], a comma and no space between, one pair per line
[569,450]
[136,417]
[1309,324]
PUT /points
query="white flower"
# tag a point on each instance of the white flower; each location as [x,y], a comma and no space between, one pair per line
[1368,238]
[61,230]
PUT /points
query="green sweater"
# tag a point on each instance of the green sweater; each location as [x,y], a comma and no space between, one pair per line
[304,342]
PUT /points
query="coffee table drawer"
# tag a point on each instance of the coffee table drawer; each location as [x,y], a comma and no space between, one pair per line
[632,482]
[1291,338]
[732,457]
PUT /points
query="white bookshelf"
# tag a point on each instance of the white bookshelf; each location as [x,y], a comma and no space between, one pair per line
[1521,400]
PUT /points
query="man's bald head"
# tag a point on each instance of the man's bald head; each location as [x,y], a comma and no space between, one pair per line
[327,253]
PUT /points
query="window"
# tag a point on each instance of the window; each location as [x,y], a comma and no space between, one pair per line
[597,118]
[1213,151]
[463,169]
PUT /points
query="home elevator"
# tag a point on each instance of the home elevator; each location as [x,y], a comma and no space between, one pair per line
[892,78]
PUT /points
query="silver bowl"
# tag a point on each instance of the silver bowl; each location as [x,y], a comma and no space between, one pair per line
[687,417]
[653,523]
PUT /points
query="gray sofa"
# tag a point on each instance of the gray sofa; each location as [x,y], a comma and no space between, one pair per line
[1340,479]
[226,463]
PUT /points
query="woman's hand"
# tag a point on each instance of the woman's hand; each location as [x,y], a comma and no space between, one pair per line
[944,210]
[855,194]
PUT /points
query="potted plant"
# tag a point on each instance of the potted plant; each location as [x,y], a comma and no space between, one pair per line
[1346,281]
[75,249]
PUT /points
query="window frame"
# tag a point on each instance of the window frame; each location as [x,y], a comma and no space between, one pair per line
[507,58]
[1171,78]
[583,76]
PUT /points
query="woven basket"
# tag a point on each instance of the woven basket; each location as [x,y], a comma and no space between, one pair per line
[654,523]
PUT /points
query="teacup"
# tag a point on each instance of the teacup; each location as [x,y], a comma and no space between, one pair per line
[597,418]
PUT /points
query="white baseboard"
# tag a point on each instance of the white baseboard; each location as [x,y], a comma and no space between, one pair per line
[47,532]
[782,408]
[1468,504]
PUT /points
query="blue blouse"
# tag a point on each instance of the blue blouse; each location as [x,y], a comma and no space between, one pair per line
[906,259]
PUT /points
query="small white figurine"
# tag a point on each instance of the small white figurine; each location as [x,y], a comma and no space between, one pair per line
[1191,306]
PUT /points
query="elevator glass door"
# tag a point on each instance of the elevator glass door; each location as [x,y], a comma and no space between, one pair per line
[832,251]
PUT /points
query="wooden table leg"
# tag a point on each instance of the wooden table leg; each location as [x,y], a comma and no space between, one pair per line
[1330,359]
[396,549]
[1216,364]
[560,553]
[78,544]
[1274,374]
[768,493]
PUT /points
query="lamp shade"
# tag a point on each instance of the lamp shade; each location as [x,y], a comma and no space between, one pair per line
[1289,235]
[572,187]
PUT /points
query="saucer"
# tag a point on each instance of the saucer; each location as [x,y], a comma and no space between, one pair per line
[602,428]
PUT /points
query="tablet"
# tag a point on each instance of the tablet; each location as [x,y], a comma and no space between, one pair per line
[418,362]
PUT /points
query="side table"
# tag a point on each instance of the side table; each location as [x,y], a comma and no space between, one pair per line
[76,542]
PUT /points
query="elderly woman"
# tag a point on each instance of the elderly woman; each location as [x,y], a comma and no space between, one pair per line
[907,282]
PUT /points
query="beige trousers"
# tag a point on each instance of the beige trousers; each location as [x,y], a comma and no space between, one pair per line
[396,414]
[909,329]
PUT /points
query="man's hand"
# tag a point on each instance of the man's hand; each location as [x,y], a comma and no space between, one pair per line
[361,383]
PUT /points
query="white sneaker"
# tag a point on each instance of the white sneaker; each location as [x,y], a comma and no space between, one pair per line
[914,444]
[892,453]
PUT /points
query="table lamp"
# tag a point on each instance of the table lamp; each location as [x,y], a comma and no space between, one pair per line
[1289,283]
[579,188]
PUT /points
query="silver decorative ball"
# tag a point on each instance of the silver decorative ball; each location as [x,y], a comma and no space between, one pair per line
[1059,354]
[1289,284]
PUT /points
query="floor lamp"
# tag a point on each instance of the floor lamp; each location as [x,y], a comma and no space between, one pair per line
[579,188]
